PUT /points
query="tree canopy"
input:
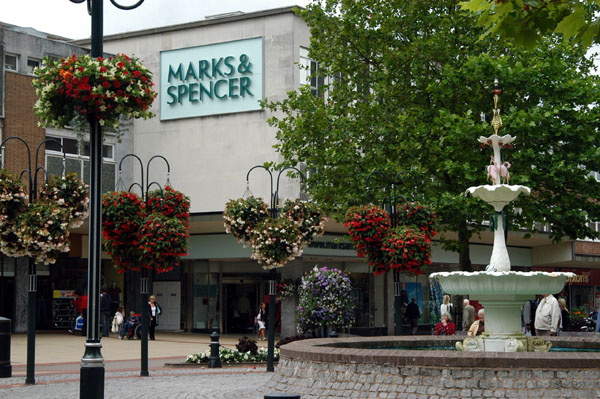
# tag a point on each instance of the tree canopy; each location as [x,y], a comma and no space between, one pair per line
[527,21]
[409,84]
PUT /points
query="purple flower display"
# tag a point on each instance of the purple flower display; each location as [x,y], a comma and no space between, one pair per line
[325,299]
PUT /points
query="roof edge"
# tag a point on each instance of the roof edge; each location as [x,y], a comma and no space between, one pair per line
[194,24]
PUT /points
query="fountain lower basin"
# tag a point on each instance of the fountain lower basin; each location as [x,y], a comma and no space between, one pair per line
[337,368]
[502,294]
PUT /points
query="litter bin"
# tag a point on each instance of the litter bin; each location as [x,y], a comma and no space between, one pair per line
[5,367]
[281,395]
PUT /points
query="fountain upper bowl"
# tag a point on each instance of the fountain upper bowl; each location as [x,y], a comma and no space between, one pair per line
[498,195]
[501,283]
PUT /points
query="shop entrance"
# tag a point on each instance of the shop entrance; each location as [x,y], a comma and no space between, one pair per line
[241,297]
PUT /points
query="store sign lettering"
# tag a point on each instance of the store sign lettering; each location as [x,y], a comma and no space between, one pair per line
[579,278]
[214,79]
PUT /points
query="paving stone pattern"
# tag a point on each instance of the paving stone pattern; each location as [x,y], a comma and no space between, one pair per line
[205,384]
[318,380]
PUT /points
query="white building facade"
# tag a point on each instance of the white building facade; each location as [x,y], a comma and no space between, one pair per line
[210,77]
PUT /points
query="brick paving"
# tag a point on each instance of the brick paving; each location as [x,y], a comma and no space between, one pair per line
[58,366]
[234,383]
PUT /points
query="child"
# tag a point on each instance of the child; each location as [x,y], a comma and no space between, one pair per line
[78,324]
[118,321]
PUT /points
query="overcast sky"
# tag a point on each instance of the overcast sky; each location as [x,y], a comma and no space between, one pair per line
[64,18]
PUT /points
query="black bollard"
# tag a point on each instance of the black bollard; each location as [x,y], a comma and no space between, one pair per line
[5,367]
[281,395]
[214,361]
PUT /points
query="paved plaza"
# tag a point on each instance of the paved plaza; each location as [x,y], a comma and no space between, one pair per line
[57,369]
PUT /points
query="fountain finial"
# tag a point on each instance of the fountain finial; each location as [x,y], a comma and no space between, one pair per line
[496,120]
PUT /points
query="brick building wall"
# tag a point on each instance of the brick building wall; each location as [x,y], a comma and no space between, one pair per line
[20,121]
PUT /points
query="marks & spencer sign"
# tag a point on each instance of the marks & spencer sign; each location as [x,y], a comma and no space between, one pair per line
[214,79]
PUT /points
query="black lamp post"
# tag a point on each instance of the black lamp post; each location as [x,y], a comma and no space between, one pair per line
[92,363]
[272,274]
[390,203]
[32,174]
[145,188]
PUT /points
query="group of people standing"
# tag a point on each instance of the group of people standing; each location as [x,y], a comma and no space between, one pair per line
[469,325]
[547,315]
[118,323]
[543,317]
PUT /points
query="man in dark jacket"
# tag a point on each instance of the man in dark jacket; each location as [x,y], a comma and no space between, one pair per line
[105,308]
[413,314]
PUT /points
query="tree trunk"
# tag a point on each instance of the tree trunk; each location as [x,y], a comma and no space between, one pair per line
[464,257]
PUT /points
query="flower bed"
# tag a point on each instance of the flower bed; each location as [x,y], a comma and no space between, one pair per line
[228,355]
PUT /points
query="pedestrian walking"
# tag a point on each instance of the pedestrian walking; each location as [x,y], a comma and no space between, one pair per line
[413,314]
[261,320]
[105,311]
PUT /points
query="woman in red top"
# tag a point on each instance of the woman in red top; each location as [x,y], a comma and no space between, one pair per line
[444,327]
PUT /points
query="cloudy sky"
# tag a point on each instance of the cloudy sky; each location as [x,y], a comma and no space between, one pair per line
[64,18]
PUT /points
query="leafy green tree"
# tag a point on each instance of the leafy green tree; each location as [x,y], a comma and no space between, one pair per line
[526,21]
[409,83]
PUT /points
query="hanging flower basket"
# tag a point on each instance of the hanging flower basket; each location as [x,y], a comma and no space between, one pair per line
[171,203]
[122,214]
[102,89]
[242,215]
[162,241]
[420,216]
[13,200]
[275,242]
[70,193]
[325,300]
[407,249]
[11,244]
[367,226]
[307,216]
[43,230]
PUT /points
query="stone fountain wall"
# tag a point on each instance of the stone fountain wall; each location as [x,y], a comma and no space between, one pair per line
[316,371]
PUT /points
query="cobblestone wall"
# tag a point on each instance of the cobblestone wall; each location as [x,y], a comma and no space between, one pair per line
[321,380]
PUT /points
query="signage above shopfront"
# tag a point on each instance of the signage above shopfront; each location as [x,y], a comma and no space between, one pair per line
[219,78]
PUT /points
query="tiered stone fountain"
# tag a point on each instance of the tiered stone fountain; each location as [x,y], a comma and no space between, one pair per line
[501,291]
[495,365]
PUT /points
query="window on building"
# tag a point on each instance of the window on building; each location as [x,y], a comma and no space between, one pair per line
[77,160]
[11,62]
[32,63]
[309,73]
